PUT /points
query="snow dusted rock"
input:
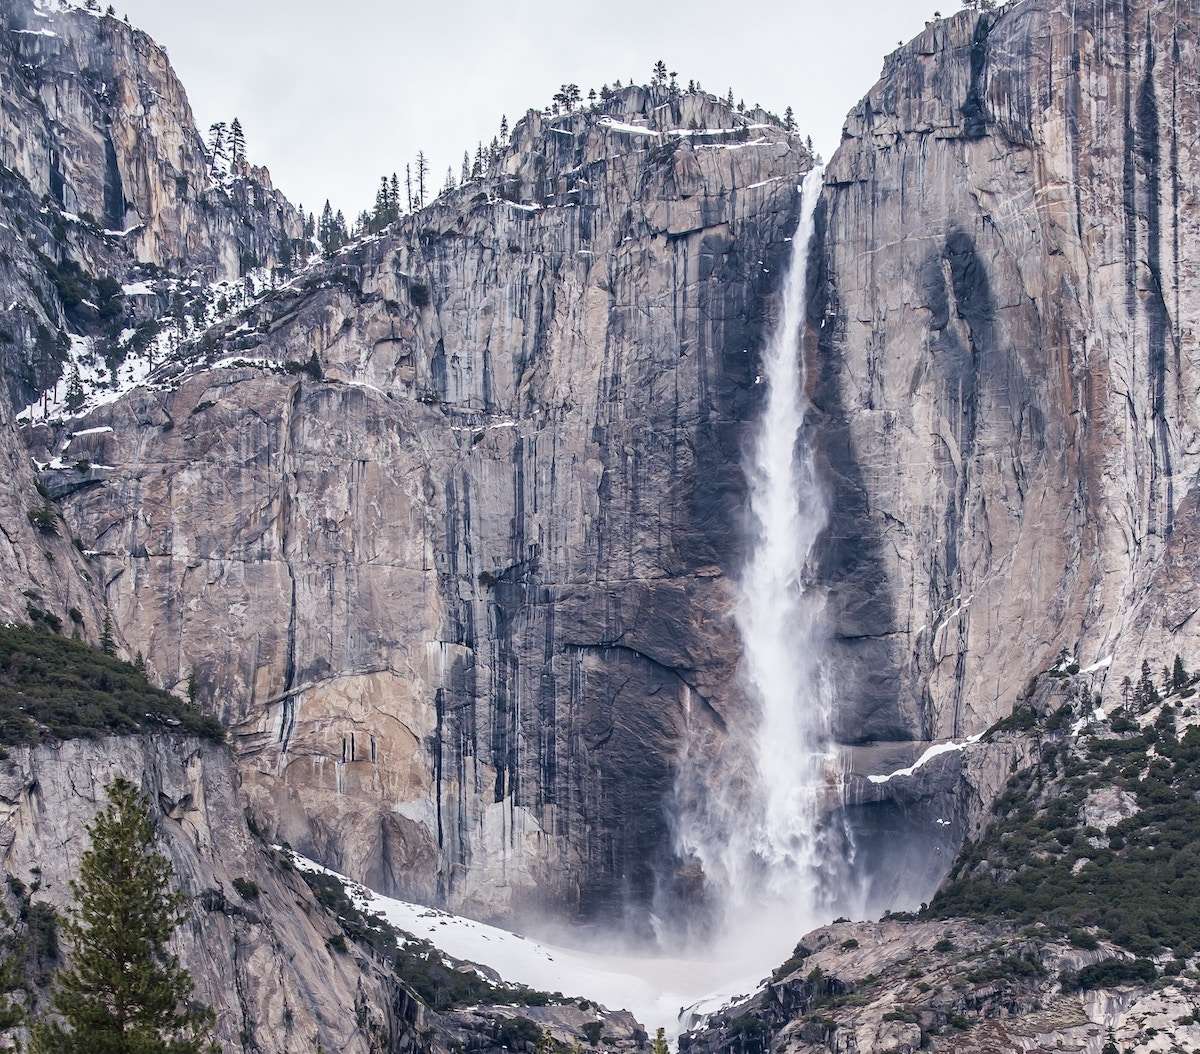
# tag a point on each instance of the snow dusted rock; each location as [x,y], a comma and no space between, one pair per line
[899,986]
[444,526]
[94,116]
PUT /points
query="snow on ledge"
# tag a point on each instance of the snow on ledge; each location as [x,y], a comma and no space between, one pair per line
[614,125]
[930,753]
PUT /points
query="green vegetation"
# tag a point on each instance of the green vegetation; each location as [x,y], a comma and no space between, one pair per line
[1137,883]
[246,888]
[437,981]
[515,1032]
[1111,972]
[54,688]
[124,991]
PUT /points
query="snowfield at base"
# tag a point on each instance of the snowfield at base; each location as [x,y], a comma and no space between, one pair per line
[661,992]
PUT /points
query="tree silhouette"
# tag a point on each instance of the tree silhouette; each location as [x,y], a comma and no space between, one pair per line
[124,992]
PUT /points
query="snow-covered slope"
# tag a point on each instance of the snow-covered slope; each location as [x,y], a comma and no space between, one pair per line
[660,992]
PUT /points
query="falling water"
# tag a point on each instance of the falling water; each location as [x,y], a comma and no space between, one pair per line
[751,810]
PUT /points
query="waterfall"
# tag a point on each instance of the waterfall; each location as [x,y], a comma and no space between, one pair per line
[752,808]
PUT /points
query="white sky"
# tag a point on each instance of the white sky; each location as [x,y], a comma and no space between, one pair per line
[332,93]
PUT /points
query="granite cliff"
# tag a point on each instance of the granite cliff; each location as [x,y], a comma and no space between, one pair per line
[444,527]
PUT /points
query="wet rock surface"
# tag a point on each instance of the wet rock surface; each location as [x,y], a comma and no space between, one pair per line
[461,584]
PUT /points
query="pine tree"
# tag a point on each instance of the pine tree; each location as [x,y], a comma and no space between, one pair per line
[237,144]
[659,1046]
[789,120]
[729,99]
[75,396]
[466,166]
[659,73]
[1126,691]
[1179,676]
[325,230]
[394,195]
[408,185]
[216,148]
[1145,694]
[124,992]
[107,644]
[503,127]
[139,663]
[422,172]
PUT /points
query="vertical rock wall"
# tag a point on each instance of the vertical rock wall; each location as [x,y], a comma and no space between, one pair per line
[462,596]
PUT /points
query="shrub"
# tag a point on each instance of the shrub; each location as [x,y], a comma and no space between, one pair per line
[44,519]
[1111,972]
[54,688]
[517,1031]
[246,888]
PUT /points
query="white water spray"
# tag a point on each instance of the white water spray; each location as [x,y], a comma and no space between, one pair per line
[754,816]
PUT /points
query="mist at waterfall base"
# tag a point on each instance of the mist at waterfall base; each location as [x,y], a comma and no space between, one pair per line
[752,807]
[759,812]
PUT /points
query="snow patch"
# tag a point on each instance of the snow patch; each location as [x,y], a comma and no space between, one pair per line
[659,991]
[930,753]
[613,125]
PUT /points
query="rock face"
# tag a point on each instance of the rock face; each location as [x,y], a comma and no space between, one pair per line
[270,957]
[1005,373]
[898,987]
[462,594]
[1007,359]
[262,961]
[94,116]
[444,527]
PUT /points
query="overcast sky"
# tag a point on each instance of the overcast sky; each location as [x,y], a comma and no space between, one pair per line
[332,93]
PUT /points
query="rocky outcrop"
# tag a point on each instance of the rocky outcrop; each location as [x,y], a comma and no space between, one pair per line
[94,117]
[899,986]
[444,526]
[1006,315]
[268,952]
[260,957]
